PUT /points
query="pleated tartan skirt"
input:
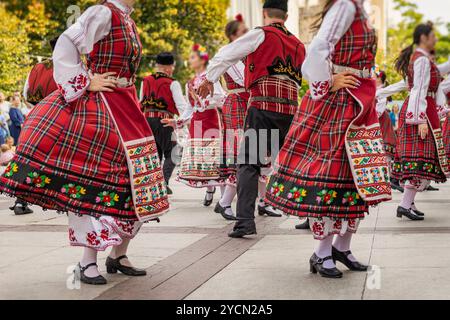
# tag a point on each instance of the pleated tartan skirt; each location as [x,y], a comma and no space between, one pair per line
[389,136]
[446,133]
[416,159]
[312,175]
[233,117]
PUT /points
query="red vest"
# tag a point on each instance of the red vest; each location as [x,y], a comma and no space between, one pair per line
[157,99]
[41,82]
[281,53]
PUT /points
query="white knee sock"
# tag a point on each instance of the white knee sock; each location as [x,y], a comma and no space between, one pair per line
[222,190]
[324,250]
[261,190]
[227,199]
[342,243]
[408,198]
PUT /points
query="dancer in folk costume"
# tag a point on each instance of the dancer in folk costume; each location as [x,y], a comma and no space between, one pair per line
[86,149]
[443,99]
[40,82]
[274,57]
[200,162]
[332,166]
[233,115]
[420,156]
[162,98]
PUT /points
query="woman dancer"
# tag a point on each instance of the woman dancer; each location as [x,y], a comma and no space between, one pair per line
[332,165]
[421,156]
[86,149]
[200,162]
[233,114]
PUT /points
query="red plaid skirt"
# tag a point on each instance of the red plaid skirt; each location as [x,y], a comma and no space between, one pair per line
[70,158]
[416,158]
[446,134]
[389,136]
[312,175]
[233,115]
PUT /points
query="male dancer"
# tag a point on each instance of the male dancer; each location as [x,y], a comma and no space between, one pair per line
[162,98]
[274,58]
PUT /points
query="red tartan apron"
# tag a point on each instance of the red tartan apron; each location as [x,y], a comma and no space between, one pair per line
[147,182]
[364,147]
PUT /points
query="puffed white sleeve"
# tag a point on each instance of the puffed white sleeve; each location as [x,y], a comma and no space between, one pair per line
[444,68]
[69,71]
[232,53]
[178,97]
[417,106]
[188,111]
[444,89]
[317,68]
[237,72]
[384,93]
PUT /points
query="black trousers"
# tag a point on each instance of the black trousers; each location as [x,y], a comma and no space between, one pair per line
[165,144]
[265,132]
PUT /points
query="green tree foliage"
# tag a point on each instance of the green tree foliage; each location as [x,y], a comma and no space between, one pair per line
[14,49]
[400,36]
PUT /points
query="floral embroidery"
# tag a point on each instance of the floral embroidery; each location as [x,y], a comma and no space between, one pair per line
[318,228]
[73,191]
[428,167]
[104,234]
[351,198]
[326,196]
[92,238]
[39,181]
[11,169]
[337,225]
[108,199]
[126,226]
[297,194]
[78,82]
[320,88]
[410,166]
[277,189]
[72,237]
[129,203]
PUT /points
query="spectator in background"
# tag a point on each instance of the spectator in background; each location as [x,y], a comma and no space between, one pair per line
[16,117]
[4,106]
[4,130]
[10,142]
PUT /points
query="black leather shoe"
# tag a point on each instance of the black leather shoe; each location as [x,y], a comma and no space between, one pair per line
[21,210]
[303,226]
[99,280]
[264,211]
[113,265]
[241,233]
[431,188]
[222,211]
[409,214]
[207,202]
[343,258]
[396,185]
[169,191]
[316,265]
[419,213]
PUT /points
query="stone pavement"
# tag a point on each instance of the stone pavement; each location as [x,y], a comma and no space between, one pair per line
[189,256]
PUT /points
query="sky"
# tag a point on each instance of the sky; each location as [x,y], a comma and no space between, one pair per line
[432,9]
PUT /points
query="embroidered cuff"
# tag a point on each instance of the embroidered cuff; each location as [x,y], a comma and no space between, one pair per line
[411,119]
[74,87]
[319,89]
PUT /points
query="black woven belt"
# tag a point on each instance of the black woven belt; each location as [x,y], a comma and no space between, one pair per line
[276,100]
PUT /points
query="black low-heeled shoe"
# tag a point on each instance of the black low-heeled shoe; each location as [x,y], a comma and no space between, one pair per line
[410,214]
[316,265]
[98,280]
[207,202]
[303,226]
[113,265]
[263,210]
[342,257]
[223,212]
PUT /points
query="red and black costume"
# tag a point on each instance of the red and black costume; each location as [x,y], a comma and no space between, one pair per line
[40,82]
[332,165]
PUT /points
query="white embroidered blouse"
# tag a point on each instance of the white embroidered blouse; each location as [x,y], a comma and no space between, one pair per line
[317,68]
[92,26]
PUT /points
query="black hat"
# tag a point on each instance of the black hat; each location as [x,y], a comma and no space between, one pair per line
[276,4]
[53,42]
[165,59]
